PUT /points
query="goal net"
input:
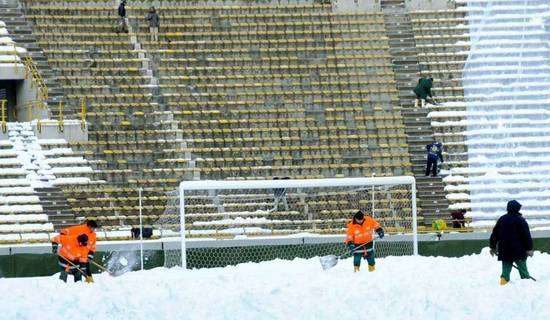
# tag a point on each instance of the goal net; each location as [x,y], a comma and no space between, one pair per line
[219,223]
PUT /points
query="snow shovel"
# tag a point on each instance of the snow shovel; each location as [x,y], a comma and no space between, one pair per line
[331,260]
[122,261]
[514,265]
[102,268]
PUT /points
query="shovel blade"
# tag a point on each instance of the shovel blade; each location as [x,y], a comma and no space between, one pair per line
[328,262]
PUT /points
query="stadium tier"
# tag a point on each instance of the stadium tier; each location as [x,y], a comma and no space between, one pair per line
[244,91]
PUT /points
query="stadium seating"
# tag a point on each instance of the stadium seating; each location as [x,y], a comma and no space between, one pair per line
[236,92]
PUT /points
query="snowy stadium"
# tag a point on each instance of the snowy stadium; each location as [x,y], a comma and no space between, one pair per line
[225,149]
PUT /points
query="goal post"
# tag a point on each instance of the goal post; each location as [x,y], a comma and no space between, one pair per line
[220,222]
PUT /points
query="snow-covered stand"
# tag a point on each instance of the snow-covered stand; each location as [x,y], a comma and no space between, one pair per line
[28,167]
[496,137]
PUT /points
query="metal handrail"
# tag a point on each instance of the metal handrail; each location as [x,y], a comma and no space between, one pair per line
[4,120]
[83,110]
[30,67]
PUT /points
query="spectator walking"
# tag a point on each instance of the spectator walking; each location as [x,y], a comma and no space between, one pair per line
[154,23]
[423,91]
[122,25]
[511,241]
[434,150]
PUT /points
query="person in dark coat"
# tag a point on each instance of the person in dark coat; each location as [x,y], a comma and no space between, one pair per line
[423,91]
[511,241]
[122,22]
[434,150]
[154,23]
[458,219]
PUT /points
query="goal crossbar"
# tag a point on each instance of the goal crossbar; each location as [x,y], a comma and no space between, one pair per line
[294,183]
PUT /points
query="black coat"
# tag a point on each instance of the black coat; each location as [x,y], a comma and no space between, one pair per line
[122,10]
[511,235]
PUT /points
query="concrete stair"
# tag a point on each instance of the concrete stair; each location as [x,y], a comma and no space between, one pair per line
[20,30]
[57,208]
[431,195]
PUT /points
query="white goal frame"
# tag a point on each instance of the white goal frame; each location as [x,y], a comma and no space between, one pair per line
[293,183]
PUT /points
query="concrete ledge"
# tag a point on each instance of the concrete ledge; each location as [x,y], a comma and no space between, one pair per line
[173,243]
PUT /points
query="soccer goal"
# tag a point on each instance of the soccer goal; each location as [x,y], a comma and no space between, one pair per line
[218,223]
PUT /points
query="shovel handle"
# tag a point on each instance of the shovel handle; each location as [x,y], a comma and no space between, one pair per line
[359,247]
[101,267]
[74,265]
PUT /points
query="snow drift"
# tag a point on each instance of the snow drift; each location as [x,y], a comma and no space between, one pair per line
[401,288]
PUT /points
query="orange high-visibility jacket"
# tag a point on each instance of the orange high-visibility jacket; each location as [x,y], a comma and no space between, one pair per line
[70,248]
[81,229]
[361,233]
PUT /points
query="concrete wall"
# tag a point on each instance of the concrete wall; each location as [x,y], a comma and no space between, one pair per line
[343,6]
[28,108]
[415,5]
[71,131]
[27,92]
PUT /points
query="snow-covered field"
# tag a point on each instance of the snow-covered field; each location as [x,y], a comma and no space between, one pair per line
[401,288]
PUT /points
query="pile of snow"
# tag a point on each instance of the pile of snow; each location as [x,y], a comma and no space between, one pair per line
[505,122]
[400,288]
[9,52]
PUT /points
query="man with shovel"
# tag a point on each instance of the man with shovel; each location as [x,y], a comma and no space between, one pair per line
[511,241]
[359,239]
[423,92]
[73,256]
[87,228]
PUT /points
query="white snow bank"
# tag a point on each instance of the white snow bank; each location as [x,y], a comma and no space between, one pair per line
[18,199]
[27,227]
[11,218]
[65,181]
[16,190]
[400,288]
[6,209]
[13,182]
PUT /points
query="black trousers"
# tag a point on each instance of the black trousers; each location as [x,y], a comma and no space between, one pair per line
[431,165]
[65,271]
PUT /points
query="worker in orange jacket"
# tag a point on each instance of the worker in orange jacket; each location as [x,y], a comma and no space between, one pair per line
[73,255]
[88,228]
[359,239]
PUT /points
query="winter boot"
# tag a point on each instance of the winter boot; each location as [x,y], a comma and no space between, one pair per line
[503,281]
[355,268]
[63,276]
[371,268]
[416,103]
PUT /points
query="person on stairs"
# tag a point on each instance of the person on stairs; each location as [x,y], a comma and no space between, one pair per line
[154,23]
[434,154]
[423,92]
[360,241]
[122,24]
[511,241]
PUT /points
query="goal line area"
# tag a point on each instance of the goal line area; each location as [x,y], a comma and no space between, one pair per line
[261,220]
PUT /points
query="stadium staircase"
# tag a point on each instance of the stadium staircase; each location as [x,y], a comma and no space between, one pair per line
[55,205]
[21,31]
[431,194]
